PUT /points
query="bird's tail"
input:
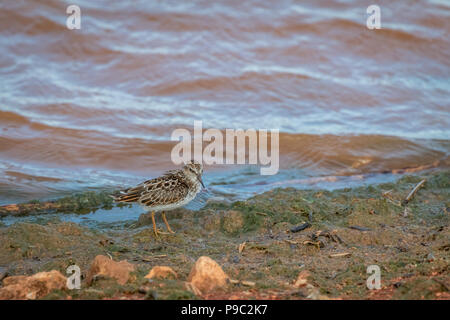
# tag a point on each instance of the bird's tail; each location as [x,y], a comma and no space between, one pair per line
[128,195]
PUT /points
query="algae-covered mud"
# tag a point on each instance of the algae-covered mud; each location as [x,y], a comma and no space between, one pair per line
[282,244]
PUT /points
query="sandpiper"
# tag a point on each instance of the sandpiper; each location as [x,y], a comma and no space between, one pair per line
[174,189]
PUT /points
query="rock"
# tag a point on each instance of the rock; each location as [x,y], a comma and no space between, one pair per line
[235,259]
[232,221]
[430,257]
[161,272]
[104,266]
[32,287]
[206,275]
[144,219]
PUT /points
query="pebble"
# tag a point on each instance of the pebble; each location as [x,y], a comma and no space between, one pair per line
[235,259]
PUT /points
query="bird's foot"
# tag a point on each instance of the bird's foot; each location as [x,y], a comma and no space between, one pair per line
[157,232]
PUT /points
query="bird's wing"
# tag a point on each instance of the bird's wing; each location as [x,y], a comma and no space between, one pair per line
[168,189]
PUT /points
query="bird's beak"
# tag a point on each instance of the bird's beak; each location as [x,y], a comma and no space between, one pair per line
[199,177]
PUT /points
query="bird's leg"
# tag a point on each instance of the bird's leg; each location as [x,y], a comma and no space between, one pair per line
[154,225]
[165,221]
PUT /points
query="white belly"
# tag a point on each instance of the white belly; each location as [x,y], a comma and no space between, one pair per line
[165,207]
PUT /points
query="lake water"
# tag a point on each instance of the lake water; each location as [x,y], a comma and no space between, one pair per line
[95,107]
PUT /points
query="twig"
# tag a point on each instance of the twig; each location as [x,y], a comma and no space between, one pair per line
[360,228]
[387,196]
[339,255]
[243,282]
[414,191]
[317,244]
[262,214]
[242,246]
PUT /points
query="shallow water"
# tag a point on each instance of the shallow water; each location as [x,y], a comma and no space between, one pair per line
[95,108]
[98,219]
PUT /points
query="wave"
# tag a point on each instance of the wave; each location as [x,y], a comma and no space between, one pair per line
[25,140]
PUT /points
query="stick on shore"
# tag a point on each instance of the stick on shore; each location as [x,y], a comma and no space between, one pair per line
[414,191]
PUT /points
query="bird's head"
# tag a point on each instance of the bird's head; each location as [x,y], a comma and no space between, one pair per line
[194,171]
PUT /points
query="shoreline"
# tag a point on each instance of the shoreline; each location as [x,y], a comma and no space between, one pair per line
[88,201]
[340,233]
[304,157]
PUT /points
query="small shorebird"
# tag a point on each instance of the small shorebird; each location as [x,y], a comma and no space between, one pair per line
[172,190]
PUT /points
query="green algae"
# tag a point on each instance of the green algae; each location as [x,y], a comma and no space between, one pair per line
[272,256]
[80,203]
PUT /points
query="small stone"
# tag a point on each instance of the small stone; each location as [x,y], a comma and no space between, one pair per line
[300,227]
[302,279]
[235,259]
[32,287]
[206,275]
[161,272]
[143,289]
[144,219]
[104,266]
[232,221]
[430,257]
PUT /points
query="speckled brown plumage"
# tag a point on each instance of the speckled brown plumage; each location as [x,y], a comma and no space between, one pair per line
[167,189]
[171,190]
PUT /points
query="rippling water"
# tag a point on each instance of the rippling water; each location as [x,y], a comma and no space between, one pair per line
[95,107]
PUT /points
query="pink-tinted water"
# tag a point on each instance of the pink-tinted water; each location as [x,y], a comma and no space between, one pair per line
[96,107]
